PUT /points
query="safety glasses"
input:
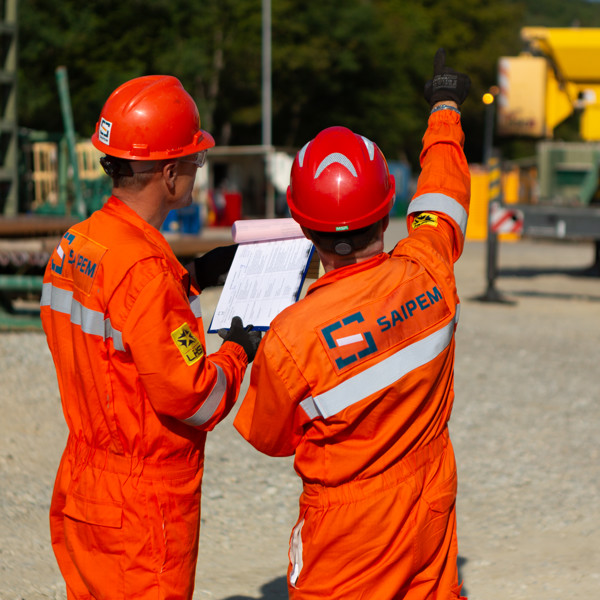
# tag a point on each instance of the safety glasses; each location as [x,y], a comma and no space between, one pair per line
[198,161]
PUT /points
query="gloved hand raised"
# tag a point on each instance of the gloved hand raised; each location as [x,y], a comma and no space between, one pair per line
[247,337]
[447,84]
[211,268]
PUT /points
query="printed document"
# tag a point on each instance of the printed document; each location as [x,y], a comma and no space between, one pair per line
[265,277]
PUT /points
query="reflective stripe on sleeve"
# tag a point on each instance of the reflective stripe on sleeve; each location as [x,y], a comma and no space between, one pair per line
[442,204]
[195,306]
[212,402]
[379,376]
[91,321]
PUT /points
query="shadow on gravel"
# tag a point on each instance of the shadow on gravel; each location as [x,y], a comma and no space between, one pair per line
[590,272]
[496,295]
[274,590]
[555,295]
[460,563]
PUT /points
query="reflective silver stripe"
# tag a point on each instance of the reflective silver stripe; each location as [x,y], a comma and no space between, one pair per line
[443,204]
[115,334]
[59,301]
[309,407]
[296,551]
[195,306]
[90,321]
[210,405]
[379,376]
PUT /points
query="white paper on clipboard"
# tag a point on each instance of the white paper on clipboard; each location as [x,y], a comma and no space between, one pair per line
[265,277]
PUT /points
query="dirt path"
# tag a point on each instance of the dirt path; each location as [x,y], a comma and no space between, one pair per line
[525,430]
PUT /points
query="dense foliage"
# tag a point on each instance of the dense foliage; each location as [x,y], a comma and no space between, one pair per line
[360,63]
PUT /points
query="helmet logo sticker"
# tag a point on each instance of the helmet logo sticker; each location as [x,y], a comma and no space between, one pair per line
[302,153]
[104,131]
[370,147]
[336,157]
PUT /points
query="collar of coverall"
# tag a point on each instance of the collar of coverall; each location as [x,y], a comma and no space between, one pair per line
[344,243]
[348,270]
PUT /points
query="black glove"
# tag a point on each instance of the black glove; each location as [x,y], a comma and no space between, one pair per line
[211,268]
[247,337]
[447,84]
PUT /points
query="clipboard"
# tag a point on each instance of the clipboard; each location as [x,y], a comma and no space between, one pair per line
[266,275]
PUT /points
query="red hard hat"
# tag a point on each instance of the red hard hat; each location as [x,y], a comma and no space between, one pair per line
[150,118]
[340,181]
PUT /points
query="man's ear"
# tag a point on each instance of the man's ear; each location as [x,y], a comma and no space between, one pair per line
[169,172]
[386,222]
[306,233]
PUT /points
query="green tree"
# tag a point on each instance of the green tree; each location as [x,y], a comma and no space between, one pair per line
[558,13]
[359,63]
[106,42]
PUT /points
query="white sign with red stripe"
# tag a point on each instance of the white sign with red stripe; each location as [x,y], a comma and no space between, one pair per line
[504,219]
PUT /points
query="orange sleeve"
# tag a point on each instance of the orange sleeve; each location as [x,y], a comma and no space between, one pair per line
[162,334]
[269,416]
[439,209]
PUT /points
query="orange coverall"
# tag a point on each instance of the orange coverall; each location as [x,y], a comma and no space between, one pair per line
[356,379]
[138,394]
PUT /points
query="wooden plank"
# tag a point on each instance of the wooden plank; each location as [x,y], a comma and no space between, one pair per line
[183,246]
[22,226]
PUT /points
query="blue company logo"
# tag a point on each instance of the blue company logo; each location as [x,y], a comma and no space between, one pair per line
[77,261]
[339,342]
[58,268]
[406,311]
[84,265]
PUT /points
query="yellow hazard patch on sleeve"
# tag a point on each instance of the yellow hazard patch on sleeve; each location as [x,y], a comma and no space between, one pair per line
[188,344]
[425,219]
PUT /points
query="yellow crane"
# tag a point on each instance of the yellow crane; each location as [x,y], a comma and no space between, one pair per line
[555,76]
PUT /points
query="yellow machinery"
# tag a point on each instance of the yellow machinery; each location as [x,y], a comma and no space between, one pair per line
[556,76]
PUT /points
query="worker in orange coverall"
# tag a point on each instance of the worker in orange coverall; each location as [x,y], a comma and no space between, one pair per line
[356,379]
[123,323]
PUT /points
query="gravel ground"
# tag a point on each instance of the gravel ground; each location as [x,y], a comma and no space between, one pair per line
[525,429]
